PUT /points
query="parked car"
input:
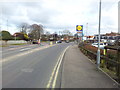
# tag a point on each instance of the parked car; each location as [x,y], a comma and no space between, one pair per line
[102,45]
[35,41]
[59,41]
[67,41]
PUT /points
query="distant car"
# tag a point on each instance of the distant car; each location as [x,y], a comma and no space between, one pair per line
[67,41]
[59,41]
[111,44]
[35,41]
[102,45]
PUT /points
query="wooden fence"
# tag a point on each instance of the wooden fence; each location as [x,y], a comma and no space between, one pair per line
[106,62]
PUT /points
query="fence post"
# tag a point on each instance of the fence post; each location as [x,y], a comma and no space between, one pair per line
[118,64]
[105,54]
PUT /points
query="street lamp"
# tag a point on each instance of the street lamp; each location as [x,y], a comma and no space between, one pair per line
[98,51]
[86,30]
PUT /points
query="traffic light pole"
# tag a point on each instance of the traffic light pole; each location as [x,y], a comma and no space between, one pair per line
[98,51]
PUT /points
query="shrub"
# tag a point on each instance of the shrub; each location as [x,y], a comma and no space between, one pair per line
[6,35]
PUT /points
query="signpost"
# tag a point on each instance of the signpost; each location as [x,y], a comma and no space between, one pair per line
[79,29]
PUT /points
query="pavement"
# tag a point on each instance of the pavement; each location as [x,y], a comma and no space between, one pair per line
[80,72]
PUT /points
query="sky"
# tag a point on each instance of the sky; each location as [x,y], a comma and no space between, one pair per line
[59,15]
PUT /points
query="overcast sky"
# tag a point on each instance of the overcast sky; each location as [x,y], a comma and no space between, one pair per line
[59,15]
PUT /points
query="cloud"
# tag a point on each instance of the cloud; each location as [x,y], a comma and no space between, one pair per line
[57,15]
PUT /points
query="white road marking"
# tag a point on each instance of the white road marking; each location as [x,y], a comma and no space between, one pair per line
[24,53]
[17,48]
[5,53]
[25,49]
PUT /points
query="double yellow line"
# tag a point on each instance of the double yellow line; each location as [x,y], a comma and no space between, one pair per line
[53,78]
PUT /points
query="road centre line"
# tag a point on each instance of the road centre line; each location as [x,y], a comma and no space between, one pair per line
[22,49]
[25,49]
[17,48]
[55,71]
[5,53]
[25,53]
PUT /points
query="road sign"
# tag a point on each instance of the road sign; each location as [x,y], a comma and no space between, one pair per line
[79,28]
[79,32]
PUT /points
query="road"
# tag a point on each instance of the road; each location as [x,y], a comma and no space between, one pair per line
[30,67]
[14,49]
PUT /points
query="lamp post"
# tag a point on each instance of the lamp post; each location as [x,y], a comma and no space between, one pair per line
[86,30]
[118,23]
[98,51]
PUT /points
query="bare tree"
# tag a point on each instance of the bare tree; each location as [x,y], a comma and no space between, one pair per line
[47,33]
[66,32]
[36,31]
[24,27]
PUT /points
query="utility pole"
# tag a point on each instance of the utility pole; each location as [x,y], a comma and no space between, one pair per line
[7,23]
[118,23]
[118,17]
[98,51]
[1,19]
[86,30]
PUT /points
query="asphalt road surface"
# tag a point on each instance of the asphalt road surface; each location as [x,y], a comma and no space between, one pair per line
[30,67]
[13,50]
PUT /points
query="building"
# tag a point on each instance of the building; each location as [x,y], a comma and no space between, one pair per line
[108,37]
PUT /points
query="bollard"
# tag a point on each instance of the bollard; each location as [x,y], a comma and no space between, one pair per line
[104,52]
[103,61]
[51,43]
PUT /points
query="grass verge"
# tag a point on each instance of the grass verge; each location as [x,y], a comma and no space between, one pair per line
[13,44]
[110,73]
[19,44]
